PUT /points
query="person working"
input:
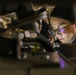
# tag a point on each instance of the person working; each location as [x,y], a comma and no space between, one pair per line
[63,23]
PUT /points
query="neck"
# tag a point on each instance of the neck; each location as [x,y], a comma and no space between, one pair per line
[72,40]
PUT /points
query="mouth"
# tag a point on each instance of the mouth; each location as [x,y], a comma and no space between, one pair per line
[61,39]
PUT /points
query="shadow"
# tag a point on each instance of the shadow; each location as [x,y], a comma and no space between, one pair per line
[69,51]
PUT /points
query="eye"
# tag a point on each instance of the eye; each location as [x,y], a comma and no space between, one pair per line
[61,30]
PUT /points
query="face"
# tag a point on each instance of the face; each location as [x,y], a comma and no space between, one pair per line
[63,29]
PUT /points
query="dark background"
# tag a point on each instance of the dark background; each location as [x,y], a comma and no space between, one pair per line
[40,1]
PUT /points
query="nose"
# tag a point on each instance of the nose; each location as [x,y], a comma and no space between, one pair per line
[58,34]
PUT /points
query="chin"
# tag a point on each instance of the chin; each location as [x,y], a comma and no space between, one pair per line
[63,42]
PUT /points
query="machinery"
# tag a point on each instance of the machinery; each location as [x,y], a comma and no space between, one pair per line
[23,49]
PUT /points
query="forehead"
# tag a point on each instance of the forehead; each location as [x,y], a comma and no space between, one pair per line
[55,22]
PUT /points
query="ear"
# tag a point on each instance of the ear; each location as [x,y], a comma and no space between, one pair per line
[74,27]
[75,22]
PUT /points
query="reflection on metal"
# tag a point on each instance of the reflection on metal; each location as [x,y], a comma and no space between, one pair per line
[7,19]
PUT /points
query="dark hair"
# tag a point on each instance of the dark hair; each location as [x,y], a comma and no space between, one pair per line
[65,12]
